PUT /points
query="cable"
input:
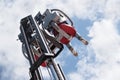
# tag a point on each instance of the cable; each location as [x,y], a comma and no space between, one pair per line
[24,51]
[64,15]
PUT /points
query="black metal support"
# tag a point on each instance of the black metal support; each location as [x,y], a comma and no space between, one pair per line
[30,55]
[40,61]
[32,36]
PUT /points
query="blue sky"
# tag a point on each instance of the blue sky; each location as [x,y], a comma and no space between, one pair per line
[96,21]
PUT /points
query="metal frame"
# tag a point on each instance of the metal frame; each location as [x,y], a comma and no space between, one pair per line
[30,34]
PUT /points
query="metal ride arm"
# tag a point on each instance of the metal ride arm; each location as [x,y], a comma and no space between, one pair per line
[33,38]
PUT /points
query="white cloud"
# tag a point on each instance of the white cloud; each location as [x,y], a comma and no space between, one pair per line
[108,72]
[105,40]
[112,9]
[85,9]
[75,76]
[11,58]
[104,45]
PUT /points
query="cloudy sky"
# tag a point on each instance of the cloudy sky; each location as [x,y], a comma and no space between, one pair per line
[97,21]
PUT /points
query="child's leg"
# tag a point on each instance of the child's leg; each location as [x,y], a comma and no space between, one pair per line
[72,49]
[81,39]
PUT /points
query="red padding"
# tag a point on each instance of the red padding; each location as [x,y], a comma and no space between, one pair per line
[44,64]
[69,30]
